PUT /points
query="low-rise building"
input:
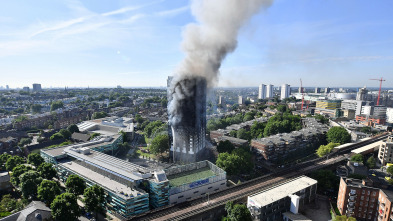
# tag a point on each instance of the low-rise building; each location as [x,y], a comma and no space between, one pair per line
[35,211]
[292,195]
[133,187]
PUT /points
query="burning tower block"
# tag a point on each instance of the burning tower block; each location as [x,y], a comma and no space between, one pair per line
[187,118]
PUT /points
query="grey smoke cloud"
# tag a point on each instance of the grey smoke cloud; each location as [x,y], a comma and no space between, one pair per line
[206,45]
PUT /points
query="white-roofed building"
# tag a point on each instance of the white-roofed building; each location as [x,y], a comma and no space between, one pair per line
[270,204]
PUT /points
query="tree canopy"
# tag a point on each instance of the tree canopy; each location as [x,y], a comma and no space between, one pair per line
[325,149]
[29,182]
[94,197]
[236,162]
[97,115]
[338,135]
[225,146]
[35,159]
[357,158]
[390,170]
[24,141]
[13,161]
[56,105]
[47,171]
[65,207]
[17,172]
[371,162]
[48,190]
[73,128]
[160,144]
[75,185]
[237,212]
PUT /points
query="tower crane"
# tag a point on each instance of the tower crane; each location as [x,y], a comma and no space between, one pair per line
[380,86]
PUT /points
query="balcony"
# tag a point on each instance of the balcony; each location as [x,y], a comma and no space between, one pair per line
[352,199]
[351,206]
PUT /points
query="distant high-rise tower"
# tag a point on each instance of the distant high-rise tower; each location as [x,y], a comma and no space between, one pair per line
[262,91]
[187,118]
[240,100]
[362,94]
[317,90]
[269,91]
[26,89]
[327,90]
[37,87]
[221,100]
[285,91]
[7,87]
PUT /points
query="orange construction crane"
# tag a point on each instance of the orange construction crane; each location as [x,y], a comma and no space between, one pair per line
[380,86]
[301,91]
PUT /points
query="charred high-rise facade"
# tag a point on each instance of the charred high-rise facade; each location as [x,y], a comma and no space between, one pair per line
[187,118]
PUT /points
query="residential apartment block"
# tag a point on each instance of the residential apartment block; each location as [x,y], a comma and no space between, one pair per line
[281,145]
[359,199]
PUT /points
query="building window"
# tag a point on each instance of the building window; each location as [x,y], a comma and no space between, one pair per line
[362,197]
[374,193]
[363,191]
[180,197]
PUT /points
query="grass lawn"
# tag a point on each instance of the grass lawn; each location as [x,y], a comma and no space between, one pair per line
[190,176]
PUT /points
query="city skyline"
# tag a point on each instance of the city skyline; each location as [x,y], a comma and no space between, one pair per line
[81,44]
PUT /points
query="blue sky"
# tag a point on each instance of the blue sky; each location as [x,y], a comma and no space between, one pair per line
[137,43]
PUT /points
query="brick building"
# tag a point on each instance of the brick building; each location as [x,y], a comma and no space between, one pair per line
[359,199]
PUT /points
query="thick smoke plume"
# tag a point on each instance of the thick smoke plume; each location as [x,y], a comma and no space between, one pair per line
[207,43]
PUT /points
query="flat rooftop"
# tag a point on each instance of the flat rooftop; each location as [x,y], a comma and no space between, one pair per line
[115,165]
[112,185]
[281,191]
[190,176]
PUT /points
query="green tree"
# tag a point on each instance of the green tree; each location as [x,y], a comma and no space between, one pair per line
[13,161]
[243,134]
[326,180]
[35,159]
[338,135]
[65,207]
[36,108]
[29,182]
[94,135]
[159,144]
[65,133]
[48,190]
[94,198]
[24,141]
[17,172]
[151,127]
[75,185]
[138,118]
[357,158]
[56,136]
[225,146]
[234,163]
[73,128]
[390,170]
[325,149]
[56,105]
[371,162]
[237,212]
[3,159]
[366,130]
[47,171]
[97,115]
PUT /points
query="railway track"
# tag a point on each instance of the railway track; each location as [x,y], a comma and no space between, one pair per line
[188,209]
